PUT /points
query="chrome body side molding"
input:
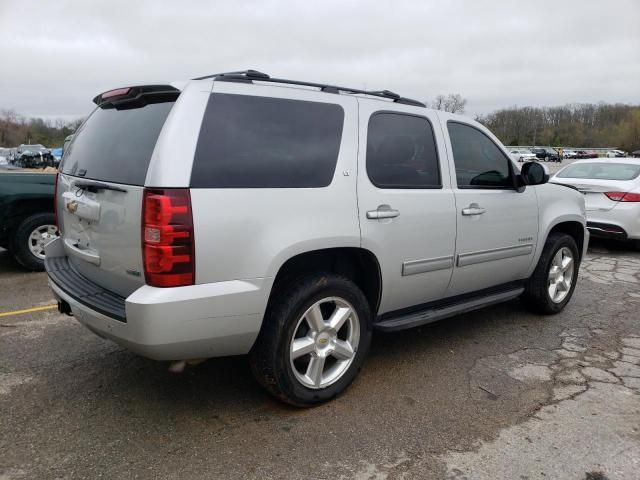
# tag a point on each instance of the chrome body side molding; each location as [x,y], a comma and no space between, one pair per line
[472,258]
[414,267]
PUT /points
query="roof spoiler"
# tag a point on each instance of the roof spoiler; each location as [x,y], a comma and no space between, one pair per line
[136,96]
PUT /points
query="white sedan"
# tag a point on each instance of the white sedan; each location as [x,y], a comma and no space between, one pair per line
[612,195]
[522,155]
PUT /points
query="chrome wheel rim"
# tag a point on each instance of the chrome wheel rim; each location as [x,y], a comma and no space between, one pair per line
[560,275]
[324,342]
[39,237]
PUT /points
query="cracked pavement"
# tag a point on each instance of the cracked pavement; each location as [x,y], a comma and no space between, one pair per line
[494,394]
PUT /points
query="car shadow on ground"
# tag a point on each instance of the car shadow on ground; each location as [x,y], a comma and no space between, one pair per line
[8,264]
[129,385]
[128,382]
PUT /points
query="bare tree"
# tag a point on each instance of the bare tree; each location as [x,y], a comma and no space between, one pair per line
[452,103]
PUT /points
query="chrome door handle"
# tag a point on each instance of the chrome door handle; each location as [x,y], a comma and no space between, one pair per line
[473,209]
[383,211]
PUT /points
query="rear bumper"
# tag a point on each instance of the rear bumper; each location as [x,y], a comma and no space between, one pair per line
[198,321]
[606,230]
[622,221]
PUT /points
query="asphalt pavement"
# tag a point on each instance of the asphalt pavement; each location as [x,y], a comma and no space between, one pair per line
[497,393]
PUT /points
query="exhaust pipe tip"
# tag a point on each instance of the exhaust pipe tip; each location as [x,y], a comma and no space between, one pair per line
[65,308]
[178,366]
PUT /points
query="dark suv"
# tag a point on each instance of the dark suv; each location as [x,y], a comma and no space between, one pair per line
[547,154]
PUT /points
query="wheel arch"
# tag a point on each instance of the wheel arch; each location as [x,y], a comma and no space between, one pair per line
[18,211]
[572,228]
[357,264]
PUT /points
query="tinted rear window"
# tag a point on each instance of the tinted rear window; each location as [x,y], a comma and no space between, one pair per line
[262,142]
[601,171]
[116,145]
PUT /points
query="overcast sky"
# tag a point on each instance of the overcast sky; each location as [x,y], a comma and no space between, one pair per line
[56,55]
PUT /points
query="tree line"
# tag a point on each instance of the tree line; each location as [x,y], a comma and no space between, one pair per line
[575,125]
[16,129]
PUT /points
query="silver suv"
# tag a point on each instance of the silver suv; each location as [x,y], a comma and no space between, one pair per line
[239,213]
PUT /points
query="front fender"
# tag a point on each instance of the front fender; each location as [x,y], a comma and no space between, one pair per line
[558,205]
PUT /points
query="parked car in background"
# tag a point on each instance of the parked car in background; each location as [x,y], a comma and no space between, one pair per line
[636,154]
[584,154]
[611,188]
[27,220]
[546,154]
[305,258]
[33,156]
[522,155]
[11,155]
[4,153]
[569,154]
[616,154]
[57,156]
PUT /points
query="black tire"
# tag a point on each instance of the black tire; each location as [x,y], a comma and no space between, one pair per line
[20,243]
[269,358]
[536,295]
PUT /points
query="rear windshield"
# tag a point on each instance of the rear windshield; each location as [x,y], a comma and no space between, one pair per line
[116,145]
[601,171]
[263,142]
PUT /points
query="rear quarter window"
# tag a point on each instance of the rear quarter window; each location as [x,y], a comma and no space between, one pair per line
[263,142]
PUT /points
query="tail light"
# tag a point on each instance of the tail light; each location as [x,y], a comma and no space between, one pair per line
[55,202]
[168,248]
[623,196]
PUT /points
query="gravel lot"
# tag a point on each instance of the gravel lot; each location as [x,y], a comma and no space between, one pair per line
[494,394]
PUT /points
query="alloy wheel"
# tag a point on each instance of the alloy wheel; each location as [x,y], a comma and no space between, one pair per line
[560,275]
[39,237]
[324,342]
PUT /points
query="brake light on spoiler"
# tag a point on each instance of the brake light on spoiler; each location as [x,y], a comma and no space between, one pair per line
[168,246]
[138,95]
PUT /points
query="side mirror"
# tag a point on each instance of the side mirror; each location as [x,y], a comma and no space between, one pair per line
[534,173]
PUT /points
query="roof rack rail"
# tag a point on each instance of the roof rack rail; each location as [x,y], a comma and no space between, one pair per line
[250,75]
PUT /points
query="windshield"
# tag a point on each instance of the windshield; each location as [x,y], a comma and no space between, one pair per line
[116,145]
[601,171]
[32,147]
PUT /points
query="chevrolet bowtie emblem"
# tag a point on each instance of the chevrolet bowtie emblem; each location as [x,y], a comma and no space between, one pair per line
[72,206]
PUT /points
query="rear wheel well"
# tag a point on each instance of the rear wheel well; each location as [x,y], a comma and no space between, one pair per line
[357,264]
[573,229]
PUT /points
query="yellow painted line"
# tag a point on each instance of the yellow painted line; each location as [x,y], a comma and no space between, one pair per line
[28,310]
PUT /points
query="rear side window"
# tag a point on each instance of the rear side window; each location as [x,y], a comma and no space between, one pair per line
[116,145]
[479,162]
[262,142]
[401,152]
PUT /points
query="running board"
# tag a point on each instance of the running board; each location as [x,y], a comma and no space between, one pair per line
[434,314]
